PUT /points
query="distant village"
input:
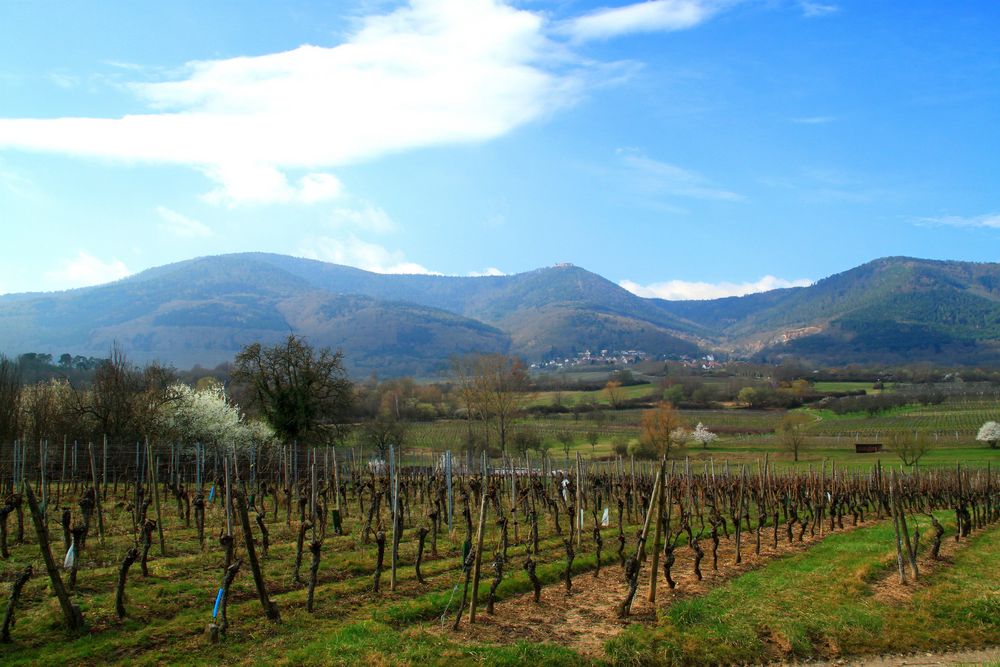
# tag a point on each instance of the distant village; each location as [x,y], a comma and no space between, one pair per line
[619,358]
[588,358]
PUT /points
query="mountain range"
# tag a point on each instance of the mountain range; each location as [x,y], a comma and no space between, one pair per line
[202,311]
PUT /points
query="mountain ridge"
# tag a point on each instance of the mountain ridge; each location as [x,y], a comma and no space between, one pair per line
[203,310]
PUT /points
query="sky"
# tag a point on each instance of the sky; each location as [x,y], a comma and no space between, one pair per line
[680,148]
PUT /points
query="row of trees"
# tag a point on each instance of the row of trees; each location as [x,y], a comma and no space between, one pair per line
[122,402]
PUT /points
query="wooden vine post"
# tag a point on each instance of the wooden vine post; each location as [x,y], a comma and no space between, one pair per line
[270,608]
[156,496]
[97,493]
[394,493]
[479,558]
[632,564]
[653,574]
[72,614]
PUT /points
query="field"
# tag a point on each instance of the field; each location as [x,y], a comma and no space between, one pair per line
[746,435]
[755,600]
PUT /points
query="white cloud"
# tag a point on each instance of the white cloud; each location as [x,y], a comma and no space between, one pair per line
[353,251]
[181,225]
[85,270]
[662,177]
[988,220]
[650,16]
[368,217]
[317,187]
[813,9]
[252,183]
[430,73]
[682,290]
[489,271]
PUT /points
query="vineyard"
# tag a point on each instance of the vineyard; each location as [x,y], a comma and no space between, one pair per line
[162,554]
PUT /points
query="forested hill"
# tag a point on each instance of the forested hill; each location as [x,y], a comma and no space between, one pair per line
[203,310]
[894,309]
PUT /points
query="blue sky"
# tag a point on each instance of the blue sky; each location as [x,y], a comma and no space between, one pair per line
[682,148]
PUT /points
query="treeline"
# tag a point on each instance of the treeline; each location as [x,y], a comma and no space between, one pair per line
[875,404]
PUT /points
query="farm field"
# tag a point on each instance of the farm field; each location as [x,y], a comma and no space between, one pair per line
[746,598]
[746,435]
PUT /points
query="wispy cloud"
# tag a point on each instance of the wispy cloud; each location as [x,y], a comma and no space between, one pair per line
[366,217]
[63,80]
[988,220]
[649,16]
[682,290]
[356,252]
[665,178]
[15,183]
[85,270]
[813,120]
[178,224]
[813,9]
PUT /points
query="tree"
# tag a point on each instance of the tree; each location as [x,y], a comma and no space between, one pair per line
[125,402]
[909,447]
[543,446]
[382,431]
[205,415]
[524,439]
[703,436]
[592,438]
[10,398]
[47,412]
[304,395]
[566,439]
[495,388]
[791,430]
[989,433]
[659,429]
[613,392]
[619,445]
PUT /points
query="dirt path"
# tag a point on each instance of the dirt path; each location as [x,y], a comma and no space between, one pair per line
[889,589]
[587,618]
[988,656]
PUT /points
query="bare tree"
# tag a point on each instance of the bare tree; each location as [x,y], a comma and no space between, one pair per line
[909,447]
[124,402]
[791,430]
[495,388]
[613,392]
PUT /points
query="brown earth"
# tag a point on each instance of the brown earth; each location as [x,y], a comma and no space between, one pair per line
[890,589]
[587,618]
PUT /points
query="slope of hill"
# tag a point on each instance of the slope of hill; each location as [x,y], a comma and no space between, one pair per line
[893,309]
[204,310]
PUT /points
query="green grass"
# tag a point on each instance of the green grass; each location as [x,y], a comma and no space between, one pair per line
[820,603]
[810,601]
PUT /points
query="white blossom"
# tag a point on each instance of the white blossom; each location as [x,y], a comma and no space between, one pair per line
[703,436]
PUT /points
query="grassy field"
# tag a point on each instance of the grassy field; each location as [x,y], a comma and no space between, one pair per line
[746,435]
[837,599]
